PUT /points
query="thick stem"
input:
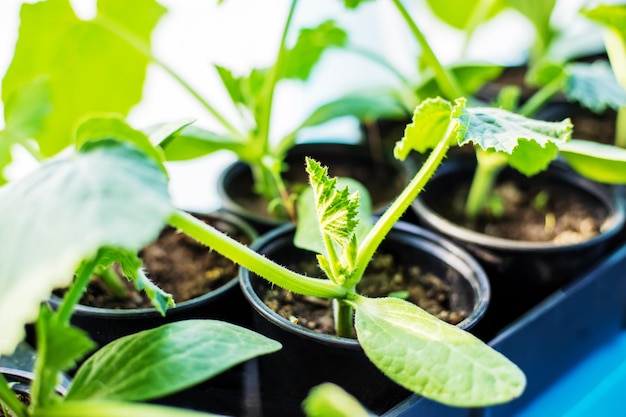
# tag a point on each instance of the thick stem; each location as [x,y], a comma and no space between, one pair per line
[489,166]
[399,206]
[114,283]
[10,400]
[344,318]
[448,84]
[141,47]
[253,261]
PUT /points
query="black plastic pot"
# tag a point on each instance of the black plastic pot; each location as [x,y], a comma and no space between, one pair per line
[235,184]
[309,358]
[521,273]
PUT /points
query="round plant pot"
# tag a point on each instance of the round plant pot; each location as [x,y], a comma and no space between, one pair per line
[309,357]
[522,272]
[21,379]
[383,177]
[221,394]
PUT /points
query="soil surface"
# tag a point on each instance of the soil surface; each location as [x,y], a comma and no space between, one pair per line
[550,212]
[382,277]
[178,265]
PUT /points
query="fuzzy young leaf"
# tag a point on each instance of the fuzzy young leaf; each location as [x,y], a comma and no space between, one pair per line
[330,400]
[157,362]
[432,119]
[109,194]
[596,161]
[594,86]
[433,358]
[82,60]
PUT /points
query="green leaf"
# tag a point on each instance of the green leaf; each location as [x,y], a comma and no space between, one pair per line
[161,133]
[364,106]
[431,121]
[613,17]
[6,157]
[609,15]
[353,4]
[59,347]
[26,108]
[193,142]
[330,400]
[114,409]
[158,362]
[312,43]
[594,86]
[107,127]
[530,145]
[597,161]
[433,358]
[107,195]
[90,68]
[308,235]
[131,266]
[459,13]
[336,209]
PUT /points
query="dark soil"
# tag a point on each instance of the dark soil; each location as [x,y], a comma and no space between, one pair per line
[383,182]
[23,397]
[177,264]
[382,277]
[568,217]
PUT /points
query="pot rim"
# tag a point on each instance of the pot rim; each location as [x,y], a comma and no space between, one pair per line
[461,260]
[607,196]
[146,312]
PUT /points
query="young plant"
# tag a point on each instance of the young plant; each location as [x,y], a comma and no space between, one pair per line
[84,211]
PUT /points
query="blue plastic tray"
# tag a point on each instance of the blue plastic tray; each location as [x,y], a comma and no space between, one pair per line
[572,348]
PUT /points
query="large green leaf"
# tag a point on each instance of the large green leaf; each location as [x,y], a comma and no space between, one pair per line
[594,86]
[107,195]
[460,14]
[433,358]
[158,362]
[613,17]
[597,161]
[114,409]
[89,67]
[330,400]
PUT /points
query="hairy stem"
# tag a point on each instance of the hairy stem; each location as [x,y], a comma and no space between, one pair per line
[254,261]
[113,283]
[344,318]
[76,290]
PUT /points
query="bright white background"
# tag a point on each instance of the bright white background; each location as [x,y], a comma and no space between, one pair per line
[241,34]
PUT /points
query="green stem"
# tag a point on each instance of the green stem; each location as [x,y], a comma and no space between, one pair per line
[620,128]
[399,206]
[380,60]
[542,96]
[344,318]
[113,409]
[448,84]
[479,15]
[114,283]
[76,290]
[140,46]
[489,165]
[10,400]
[253,261]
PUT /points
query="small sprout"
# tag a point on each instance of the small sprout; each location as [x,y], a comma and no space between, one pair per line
[540,202]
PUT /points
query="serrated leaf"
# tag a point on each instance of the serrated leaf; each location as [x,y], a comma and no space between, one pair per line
[594,86]
[308,235]
[330,400]
[160,361]
[336,209]
[433,358]
[311,44]
[431,121]
[90,68]
[502,131]
[530,158]
[107,195]
[596,161]
[112,126]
